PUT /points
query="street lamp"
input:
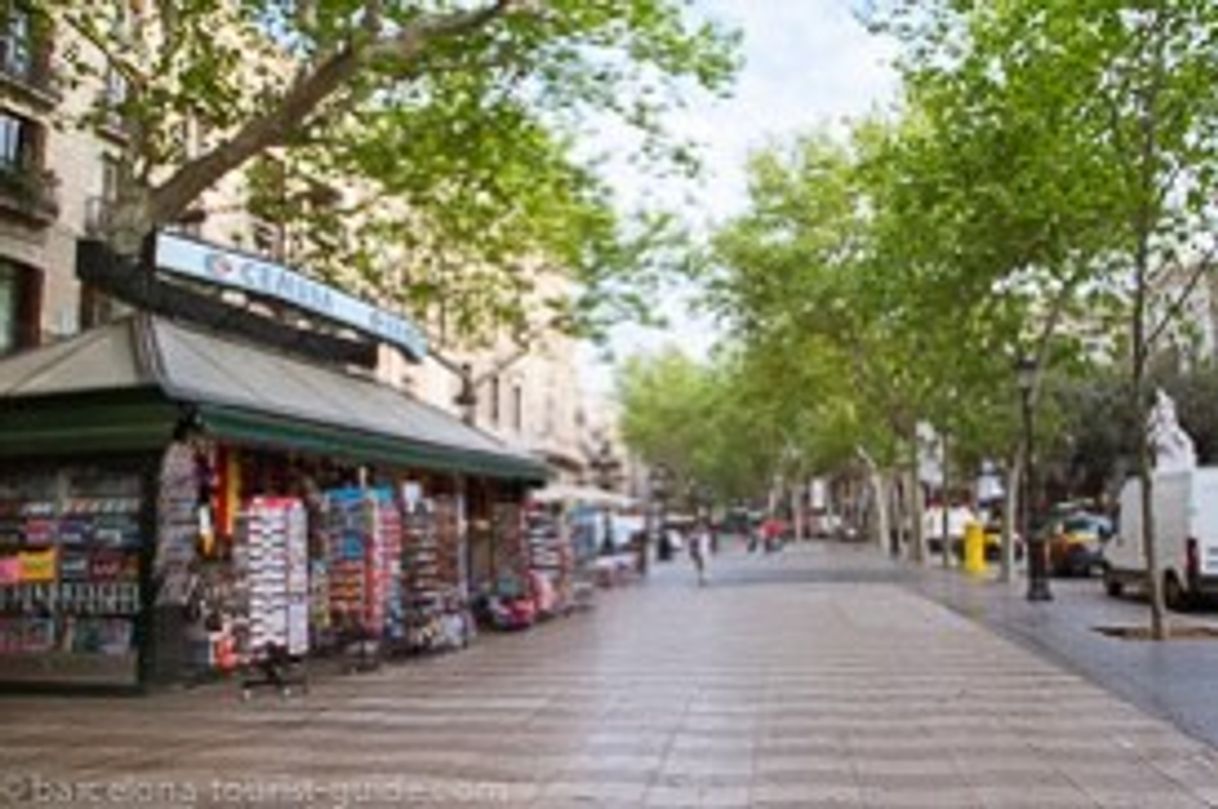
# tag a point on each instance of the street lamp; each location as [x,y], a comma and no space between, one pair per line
[1038,578]
[467,396]
[658,483]
[607,467]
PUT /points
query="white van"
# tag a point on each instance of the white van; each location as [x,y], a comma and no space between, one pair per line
[1186,536]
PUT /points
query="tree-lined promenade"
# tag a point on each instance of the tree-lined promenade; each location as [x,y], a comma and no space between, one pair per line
[1042,194]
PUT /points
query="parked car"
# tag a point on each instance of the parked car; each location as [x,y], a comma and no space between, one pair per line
[1186,537]
[1076,543]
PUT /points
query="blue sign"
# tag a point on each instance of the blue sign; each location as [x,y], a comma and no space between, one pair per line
[215,265]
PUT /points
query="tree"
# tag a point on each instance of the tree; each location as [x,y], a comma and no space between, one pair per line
[1121,96]
[700,421]
[1125,95]
[795,277]
[458,122]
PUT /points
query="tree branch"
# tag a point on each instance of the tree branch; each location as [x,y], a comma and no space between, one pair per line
[308,92]
[134,76]
[1204,266]
[523,346]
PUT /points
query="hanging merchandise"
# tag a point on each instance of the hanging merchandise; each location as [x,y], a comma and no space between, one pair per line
[509,602]
[511,554]
[387,533]
[363,537]
[227,490]
[70,569]
[178,529]
[424,587]
[346,551]
[550,570]
[437,615]
[319,602]
[271,559]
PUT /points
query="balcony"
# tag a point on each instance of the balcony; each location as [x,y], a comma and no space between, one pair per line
[29,194]
[29,80]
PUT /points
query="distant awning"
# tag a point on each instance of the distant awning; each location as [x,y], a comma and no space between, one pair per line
[127,385]
[585,495]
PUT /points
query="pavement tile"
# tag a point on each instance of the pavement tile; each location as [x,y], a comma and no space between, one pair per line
[593,791]
[805,794]
[947,797]
[788,683]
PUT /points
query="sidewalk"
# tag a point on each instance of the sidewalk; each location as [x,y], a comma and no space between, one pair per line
[815,677]
[1177,680]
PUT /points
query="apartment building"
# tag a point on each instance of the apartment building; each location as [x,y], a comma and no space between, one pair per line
[56,184]
[49,180]
[529,395]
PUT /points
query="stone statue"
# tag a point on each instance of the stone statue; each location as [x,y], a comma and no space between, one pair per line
[1174,450]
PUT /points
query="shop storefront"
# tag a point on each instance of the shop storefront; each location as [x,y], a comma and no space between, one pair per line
[174,502]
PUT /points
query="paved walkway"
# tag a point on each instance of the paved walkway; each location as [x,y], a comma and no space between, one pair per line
[1175,680]
[808,679]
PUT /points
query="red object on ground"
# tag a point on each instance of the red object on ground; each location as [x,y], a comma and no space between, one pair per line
[773,528]
[518,613]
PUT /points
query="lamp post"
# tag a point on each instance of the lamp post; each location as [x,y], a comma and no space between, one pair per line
[467,396]
[1038,578]
[607,467]
[658,480]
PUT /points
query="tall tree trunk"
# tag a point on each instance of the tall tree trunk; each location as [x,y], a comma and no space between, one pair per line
[880,496]
[896,505]
[1145,463]
[945,497]
[797,511]
[917,546]
[1010,513]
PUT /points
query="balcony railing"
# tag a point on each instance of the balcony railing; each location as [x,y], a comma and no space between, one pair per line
[29,76]
[29,193]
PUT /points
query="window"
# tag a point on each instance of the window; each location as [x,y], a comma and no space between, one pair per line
[495,400]
[96,308]
[99,207]
[15,141]
[115,92]
[17,43]
[10,303]
[518,408]
[111,177]
[20,305]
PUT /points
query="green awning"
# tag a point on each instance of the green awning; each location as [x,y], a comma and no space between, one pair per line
[127,385]
[86,424]
[249,428]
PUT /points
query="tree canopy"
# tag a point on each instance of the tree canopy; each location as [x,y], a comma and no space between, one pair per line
[461,126]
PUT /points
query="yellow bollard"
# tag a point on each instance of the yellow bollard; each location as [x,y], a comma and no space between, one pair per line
[974,548]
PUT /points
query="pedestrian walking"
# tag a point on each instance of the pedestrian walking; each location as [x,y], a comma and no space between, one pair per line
[700,550]
[772,531]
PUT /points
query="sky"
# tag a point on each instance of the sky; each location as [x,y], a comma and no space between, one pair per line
[807,63]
